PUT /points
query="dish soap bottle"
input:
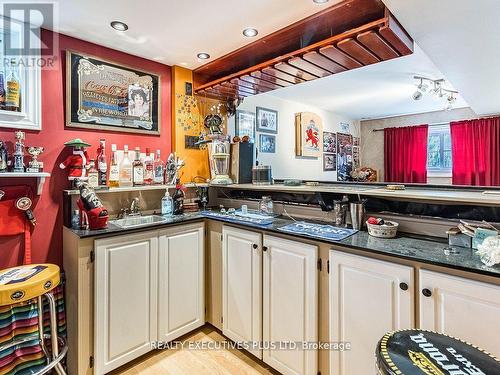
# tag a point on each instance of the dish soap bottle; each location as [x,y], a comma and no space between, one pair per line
[166,204]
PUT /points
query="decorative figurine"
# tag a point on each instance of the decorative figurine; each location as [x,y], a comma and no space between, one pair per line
[178,198]
[91,206]
[4,157]
[19,152]
[34,165]
[78,162]
[174,164]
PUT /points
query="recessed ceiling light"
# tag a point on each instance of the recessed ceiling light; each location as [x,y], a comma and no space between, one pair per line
[321,1]
[250,32]
[203,56]
[118,25]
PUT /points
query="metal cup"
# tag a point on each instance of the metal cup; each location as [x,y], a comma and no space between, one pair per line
[357,214]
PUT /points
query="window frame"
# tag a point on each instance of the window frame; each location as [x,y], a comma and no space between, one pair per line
[439,128]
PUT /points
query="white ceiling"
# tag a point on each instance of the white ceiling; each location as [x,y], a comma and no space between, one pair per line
[174,31]
[375,91]
[462,37]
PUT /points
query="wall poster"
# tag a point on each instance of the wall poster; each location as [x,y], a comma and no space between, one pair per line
[308,134]
[344,156]
[106,96]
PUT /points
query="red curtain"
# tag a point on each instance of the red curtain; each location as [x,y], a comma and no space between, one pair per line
[405,156]
[475,152]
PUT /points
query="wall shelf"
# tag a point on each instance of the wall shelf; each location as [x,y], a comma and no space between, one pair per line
[133,188]
[40,176]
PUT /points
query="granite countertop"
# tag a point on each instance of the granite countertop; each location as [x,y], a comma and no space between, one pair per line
[416,248]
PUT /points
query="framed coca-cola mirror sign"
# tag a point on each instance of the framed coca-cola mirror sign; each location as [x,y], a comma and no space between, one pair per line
[105,95]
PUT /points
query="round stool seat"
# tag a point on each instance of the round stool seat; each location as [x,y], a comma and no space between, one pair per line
[22,283]
[419,352]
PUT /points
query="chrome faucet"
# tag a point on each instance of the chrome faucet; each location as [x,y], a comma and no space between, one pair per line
[133,210]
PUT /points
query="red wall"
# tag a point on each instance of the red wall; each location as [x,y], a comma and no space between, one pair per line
[47,236]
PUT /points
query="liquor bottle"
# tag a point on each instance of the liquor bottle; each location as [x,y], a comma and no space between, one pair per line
[4,157]
[13,92]
[93,180]
[148,168]
[102,165]
[114,169]
[158,169]
[138,168]
[2,89]
[125,169]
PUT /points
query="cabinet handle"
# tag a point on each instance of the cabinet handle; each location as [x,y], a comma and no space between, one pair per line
[264,248]
[403,286]
[255,246]
[426,292]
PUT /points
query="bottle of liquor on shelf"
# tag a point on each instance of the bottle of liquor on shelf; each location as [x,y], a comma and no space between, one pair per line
[93,180]
[125,169]
[138,168]
[4,157]
[102,165]
[114,169]
[13,89]
[2,89]
[159,169]
[148,168]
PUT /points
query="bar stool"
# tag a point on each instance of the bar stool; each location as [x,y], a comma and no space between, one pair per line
[420,352]
[23,283]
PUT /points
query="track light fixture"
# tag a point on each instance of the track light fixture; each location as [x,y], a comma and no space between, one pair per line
[435,88]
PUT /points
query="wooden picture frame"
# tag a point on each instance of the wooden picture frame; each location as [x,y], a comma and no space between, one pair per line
[109,96]
[267,120]
[308,135]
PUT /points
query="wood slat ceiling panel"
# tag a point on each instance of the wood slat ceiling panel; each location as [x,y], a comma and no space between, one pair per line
[375,43]
[258,90]
[396,36]
[357,51]
[260,83]
[284,67]
[232,91]
[308,67]
[339,57]
[270,79]
[323,62]
[281,75]
[240,88]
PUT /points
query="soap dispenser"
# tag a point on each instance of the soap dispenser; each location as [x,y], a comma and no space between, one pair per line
[167,204]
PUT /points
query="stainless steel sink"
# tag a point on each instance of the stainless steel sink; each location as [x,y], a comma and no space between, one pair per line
[138,221]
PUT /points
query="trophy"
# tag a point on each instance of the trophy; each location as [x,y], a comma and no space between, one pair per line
[19,152]
[34,165]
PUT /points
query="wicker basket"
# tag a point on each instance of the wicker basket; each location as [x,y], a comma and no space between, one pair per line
[383,231]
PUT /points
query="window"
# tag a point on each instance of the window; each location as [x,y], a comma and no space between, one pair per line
[439,158]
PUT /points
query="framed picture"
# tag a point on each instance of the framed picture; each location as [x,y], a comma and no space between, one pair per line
[104,95]
[329,162]
[344,157]
[267,120]
[245,124]
[308,134]
[355,141]
[329,142]
[267,143]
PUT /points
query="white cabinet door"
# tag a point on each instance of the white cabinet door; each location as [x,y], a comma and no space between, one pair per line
[466,309]
[242,287]
[181,294]
[125,299]
[290,308]
[367,300]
